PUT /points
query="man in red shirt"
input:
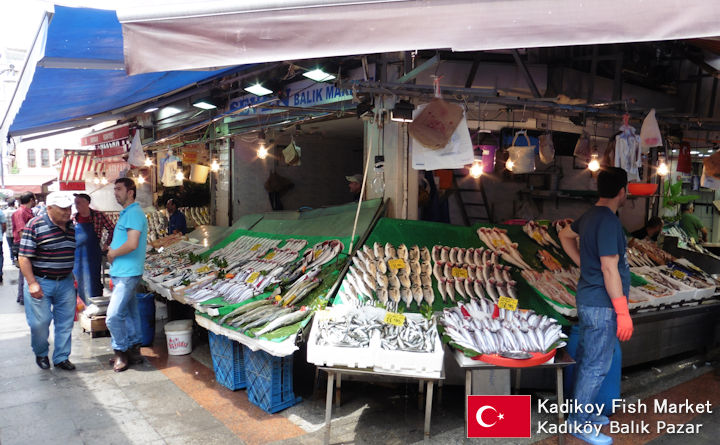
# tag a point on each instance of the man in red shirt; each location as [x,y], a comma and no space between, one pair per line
[19,219]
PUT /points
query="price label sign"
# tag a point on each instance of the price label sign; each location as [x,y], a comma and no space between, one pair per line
[317,254]
[507,303]
[498,243]
[255,247]
[677,274]
[270,255]
[394,319]
[322,315]
[396,264]
[537,237]
[459,272]
[253,276]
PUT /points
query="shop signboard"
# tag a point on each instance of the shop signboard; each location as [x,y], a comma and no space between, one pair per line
[303,94]
[107,135]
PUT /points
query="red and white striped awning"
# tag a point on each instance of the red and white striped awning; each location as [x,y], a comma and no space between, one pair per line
[73,168]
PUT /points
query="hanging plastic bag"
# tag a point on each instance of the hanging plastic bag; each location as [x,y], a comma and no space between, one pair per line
[457,153]
[650,133]
[435,125]
[582,147]
[136,157]
[547,148]
[522,156]
[684,163]
[292,154]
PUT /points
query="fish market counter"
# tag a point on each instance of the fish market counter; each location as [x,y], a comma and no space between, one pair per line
[278,349]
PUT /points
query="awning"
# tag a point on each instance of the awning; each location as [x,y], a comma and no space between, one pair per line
[29,183]
[196,34]
[80,79]
[73,168]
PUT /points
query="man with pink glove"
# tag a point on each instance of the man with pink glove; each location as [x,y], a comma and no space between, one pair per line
[601,296]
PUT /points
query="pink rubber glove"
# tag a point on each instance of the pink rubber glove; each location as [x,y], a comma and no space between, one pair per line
[624,322]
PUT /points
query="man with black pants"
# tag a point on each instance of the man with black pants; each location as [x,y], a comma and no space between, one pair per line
[46,258]
[601,297]
[19,219]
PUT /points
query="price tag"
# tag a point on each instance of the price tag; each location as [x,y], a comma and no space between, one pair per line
[213,312]
[270,255]
[459,272]
[498,243]
[317,254]
[394,319]
[396,264]
[679,275]
[255,247]
[507,303]
[322,315]
[253,276]
[537,237]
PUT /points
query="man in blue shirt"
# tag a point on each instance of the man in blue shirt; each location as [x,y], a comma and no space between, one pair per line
[127,258]
[176,223]
[601,297]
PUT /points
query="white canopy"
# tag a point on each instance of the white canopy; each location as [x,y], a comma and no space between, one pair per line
[186,34]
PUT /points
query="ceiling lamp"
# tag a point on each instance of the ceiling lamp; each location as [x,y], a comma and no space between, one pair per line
[662,169]
[258,90]
[318,75]
[594,164]
[509,164]
[476,170]
[141,179]
[151,109]
[96,179]
[148,161]
[403,112]
[214,166]
[205,104]
[179,175]
[262,152]
[103,180]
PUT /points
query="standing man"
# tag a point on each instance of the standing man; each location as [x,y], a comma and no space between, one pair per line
[127,258]
[9,230]
[691,224]
[3,226]
[46,258]
[177,222]
[601,295]
[19,219]
[93,235]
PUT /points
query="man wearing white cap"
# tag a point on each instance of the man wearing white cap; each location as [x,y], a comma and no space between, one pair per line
[355,185]
[46,258]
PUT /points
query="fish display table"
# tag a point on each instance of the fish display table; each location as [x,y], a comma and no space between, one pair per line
[338,371]
[475,369]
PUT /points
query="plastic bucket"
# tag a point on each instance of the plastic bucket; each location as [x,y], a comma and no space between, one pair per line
[146,307]
[179,337]
[488,157]
[610,388]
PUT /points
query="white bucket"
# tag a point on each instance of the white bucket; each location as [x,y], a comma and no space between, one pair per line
[179,337]
[199,173]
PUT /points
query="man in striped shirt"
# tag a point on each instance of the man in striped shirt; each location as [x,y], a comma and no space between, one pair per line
[46,258]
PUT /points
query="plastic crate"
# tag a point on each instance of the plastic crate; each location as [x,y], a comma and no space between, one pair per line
[269,380]
[228,361]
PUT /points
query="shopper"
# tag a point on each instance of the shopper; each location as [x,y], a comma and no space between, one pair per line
[46,258]
[603,286]
[3,226]
[127,258]
[651,230]
[9,229]
[177,222]
[355,185]
[93,235]
[20,218]
[691,224]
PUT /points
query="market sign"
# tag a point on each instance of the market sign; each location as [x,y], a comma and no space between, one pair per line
[107,135]
[303,94]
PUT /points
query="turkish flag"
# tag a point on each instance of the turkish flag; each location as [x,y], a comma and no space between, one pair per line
[498,416]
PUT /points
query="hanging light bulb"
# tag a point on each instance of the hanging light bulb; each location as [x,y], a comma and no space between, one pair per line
[262,151]
[103,180]
[594,164]
[476,170]
[214,166]
[509,164]
[662,169]
[96,179]
[141,179]
[148,161]
[179,176]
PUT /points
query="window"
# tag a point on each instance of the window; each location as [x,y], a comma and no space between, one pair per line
[58,154]
[31,158]
[45,157]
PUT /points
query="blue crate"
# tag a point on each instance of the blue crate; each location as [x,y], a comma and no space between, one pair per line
[269,380]
[228,361]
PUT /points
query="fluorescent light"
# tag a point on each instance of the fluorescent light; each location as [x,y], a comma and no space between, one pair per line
[318,75]
[694,152]
[204,104]
[258,90]
[151,109]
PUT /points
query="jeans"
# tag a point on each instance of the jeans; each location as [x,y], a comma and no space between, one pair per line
[123,315]
[598,337]
[21,278]
[56,305]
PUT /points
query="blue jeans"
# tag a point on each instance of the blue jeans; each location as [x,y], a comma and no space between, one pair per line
[56,305]
[598,336]
[123,316]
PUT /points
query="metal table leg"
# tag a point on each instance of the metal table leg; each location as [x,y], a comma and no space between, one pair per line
[428,407]
[328,405]
[468,385]
[338,386]
[421,393]
[561,400]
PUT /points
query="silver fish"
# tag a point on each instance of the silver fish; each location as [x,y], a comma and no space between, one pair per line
[438,271]
[477,287]
[414,253]
[404,281]
[468,257]
[447,270]
[428,295]
[426,267]
[381,265]
[402,252]
[441,288]
[453,255]
[425,254]
[425,279]
[414,268]
[368,252]
[444,254]
[382,295]
[394,294]
[460,287]
[382,280]
[417,294]
[450,288]
[436,252]
[406,296]
[393,281]
[378,251]
[389,251]
[468,284]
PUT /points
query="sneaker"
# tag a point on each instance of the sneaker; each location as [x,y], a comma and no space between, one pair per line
[588,435]
[599,419]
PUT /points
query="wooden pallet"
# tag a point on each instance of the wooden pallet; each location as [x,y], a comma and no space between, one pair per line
[95,326]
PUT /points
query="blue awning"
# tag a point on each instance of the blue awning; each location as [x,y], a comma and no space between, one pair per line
[81,75]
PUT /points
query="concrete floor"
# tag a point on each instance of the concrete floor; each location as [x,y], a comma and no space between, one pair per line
[175,400]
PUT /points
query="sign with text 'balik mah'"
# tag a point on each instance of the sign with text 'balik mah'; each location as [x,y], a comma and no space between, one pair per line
[304,93]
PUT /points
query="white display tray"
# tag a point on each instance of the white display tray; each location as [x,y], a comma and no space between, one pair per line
[686,293]
[321,355]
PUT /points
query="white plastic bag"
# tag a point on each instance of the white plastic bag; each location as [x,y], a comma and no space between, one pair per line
[546,148]
[456,154]
[522,156]
[136,157]
[650,133]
